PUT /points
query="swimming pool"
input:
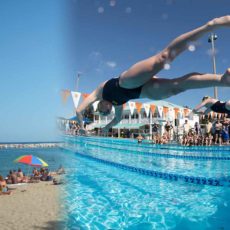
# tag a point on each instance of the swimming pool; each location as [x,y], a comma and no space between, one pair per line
[118,184]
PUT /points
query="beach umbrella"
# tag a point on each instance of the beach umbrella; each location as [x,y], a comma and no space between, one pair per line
[31,160]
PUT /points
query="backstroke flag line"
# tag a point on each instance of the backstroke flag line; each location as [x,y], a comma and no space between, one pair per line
[76,97]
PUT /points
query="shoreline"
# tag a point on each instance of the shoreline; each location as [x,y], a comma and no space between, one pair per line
[31,206]
[30,145]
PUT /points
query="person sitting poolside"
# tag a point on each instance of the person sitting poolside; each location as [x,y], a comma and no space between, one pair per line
[211,104]
[139,139]
[140,81]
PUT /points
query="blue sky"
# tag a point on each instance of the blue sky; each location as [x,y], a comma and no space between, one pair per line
[44,44]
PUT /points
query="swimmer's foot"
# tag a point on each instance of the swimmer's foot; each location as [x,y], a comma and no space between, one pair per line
[219,22]
[225,79]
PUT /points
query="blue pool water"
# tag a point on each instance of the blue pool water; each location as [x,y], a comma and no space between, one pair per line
[111,186]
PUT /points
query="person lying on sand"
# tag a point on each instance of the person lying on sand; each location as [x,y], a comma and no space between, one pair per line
[3,187]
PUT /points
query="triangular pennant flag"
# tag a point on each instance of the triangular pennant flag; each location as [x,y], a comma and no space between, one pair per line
[176,110]
[160,110]
[76,97]
[153,108]
[165,110]
[95,105]
[147,108]
[181,113]
[65,94]
[132,106]
[186,111]
[85,95]
[171,113]
[138,106]
[124,105]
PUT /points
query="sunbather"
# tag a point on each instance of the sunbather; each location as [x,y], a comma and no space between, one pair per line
[3,187]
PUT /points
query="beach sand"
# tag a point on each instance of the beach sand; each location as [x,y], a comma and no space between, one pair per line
[31,206]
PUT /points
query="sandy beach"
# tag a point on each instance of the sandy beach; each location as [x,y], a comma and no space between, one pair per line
[31,206]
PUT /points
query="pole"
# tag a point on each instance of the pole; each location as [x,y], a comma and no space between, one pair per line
[77,82]
[211,39]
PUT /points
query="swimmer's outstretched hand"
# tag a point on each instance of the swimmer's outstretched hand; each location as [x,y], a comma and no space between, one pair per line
[221,21]
[194,111]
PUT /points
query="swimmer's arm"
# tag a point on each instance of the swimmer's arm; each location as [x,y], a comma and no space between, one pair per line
[86,103]
[201,105]
[208,110]
[117,118]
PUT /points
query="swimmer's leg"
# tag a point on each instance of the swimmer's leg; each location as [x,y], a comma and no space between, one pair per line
[144,70]
[163,88]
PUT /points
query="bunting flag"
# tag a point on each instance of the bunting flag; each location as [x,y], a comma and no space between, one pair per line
[138,106]
[65,94]
[181,113]
[113,110]
[147,108]
[95,105]
[176,112]
[171,113]
[132,106]
[85,95]
[124,105]
[186,111]
[160,110]
[153,108]
[76,97]
[165,110]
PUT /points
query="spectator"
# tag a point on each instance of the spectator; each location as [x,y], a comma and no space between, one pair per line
[225,135]
[208,127]
[168,128]
[186,127]
[218,131]
[197,128]
[3,187]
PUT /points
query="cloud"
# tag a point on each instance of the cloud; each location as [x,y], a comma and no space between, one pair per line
[111,64]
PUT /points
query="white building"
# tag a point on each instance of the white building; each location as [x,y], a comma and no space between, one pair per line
[141,117]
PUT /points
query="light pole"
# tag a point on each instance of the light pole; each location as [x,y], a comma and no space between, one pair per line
[211,40]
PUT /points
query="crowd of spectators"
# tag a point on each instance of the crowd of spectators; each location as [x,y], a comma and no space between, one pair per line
[210,133]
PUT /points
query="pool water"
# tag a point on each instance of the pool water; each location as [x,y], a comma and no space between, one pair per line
[105,191]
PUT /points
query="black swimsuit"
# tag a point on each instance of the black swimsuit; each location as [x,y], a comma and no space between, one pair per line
[117,95]
[219,107]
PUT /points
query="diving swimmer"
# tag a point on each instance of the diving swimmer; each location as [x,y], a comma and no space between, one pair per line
[140,80]
[211,104]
